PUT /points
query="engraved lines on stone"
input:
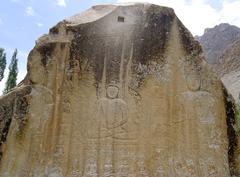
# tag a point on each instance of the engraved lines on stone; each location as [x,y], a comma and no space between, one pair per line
[103,84]
[111,113]
[39,125]
[52,139]
[124,72]
[111,105]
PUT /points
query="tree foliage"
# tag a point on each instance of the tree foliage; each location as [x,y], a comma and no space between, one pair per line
[3,63]
[13,72]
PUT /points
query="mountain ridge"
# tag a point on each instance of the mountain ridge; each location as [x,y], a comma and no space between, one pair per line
[215,40]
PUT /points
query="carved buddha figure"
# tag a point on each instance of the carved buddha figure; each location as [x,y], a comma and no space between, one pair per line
[111,113]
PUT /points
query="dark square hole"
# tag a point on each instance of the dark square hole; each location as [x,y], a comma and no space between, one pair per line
[120,19]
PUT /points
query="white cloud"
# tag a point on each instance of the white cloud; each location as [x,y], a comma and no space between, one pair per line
[230,12]
[30,11]
[21,75]
[199,14]
[39,24]
[61,3]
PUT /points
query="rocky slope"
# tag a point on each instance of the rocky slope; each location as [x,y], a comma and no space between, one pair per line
[229,61]
[119,90]
[215,40]
[229,69]
[221,46]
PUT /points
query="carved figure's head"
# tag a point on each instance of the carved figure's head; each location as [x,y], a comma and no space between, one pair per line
[112,91]
[193,82]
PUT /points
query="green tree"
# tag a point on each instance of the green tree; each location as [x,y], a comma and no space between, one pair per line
[13,72]
[2,63]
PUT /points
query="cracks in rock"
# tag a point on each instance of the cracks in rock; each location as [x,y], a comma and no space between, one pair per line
[45,52]
[232,136]
[13,106]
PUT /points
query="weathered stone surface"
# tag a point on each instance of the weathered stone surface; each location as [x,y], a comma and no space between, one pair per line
[232,82]
[221,46]
[119,91]
[13,106]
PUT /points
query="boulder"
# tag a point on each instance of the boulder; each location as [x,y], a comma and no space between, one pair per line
[118,90]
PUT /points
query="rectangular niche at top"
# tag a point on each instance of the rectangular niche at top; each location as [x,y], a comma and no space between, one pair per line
[120,19]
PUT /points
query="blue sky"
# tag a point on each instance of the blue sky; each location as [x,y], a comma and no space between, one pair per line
[23,21]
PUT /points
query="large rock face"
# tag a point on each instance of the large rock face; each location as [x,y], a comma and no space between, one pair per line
[222,44]
[116,91]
